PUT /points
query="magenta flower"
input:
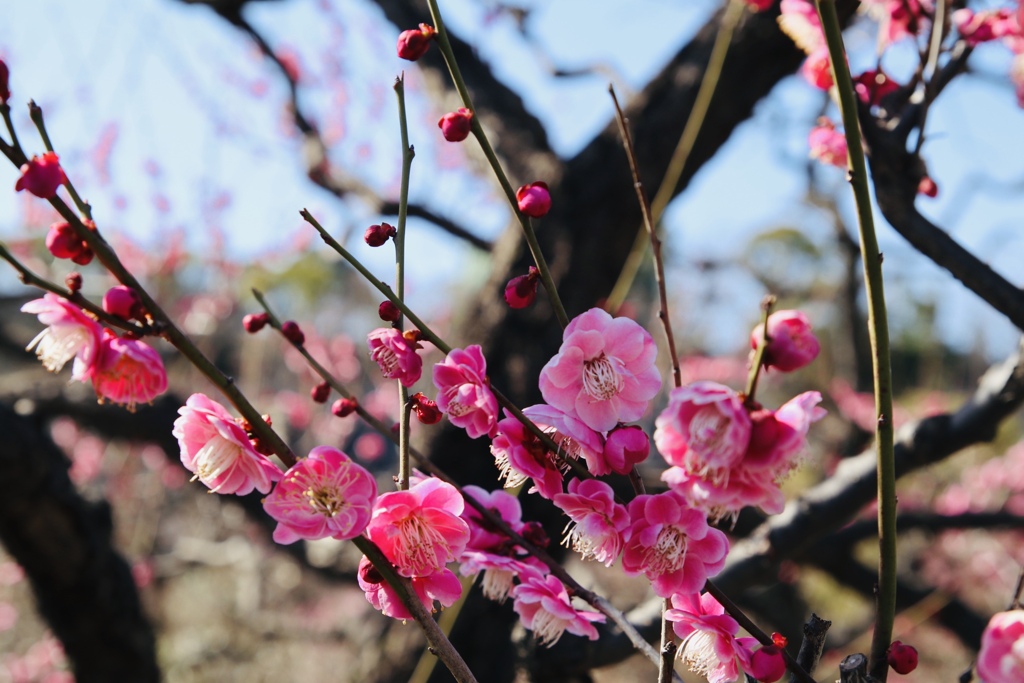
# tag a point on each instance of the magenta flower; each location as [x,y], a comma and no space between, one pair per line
[396,355]
[1001,657]
[625,447]
[41,176]
[499,571]
[520,455]
[791,343]
[128,372]
[464,394]
[827,144]
[604,372]
[70,334]
[709,644]
[326,495]
[672,544]
[216,448]
[64,242]
[598,522]
[799,20]
[543,606]
[817,69]
[704,429]
[420,530]
[442,586]
[482,534]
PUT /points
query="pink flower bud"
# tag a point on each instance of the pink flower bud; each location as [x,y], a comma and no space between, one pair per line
[73,281]
[414,43]
[791,343]
[902,658]
[254,322]
[426,410]
[534,199]
[320,392]
[388,312]
[767,664]
[377,235]
[292,332]
[344,407]
[63,241]
[522,290]
[122,301]
[5,74]
[827,144]
[927,187]
[41,176]
[455,126]
[626,447]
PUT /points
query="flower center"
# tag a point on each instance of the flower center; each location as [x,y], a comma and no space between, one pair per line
[56,345]
[496,584]
[600,380]
[667,554]
[387,359]
[456,409]
[547,627]
[216,457]
[325,501]
[417,545]
[698,652]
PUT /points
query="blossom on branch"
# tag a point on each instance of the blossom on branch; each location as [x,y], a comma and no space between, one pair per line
[70,334]
[442,586]
[396,355]
[1001,657]
[41,176]
[544,607]
[598,522]
[791,342]
[464,394]
[128,372]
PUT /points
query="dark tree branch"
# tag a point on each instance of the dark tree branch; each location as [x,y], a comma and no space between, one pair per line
[83,587]
[812,645]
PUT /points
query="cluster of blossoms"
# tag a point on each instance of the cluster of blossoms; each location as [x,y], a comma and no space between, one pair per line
[122,370]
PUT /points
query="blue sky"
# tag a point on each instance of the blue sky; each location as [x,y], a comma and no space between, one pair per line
[181,88]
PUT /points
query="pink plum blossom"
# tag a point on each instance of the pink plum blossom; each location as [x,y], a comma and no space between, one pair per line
[709,644]
[705,429]
[1001,657]
[791,343]
[396,355]
[442,585]
[420,530]
[499,571]
[482,534]
[128,372]
[41,176]
[544,607]
[827,144]
[604,372]
[981,27]
[598,522]
[817,69]
[626,447]
[218,451]
[325,495]
[672,544]
[799,20]
[520,455]
[464,394]
[70,334]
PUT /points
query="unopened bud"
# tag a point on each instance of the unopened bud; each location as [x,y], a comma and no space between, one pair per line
[902,658]
[927,187]
[426,410]
[83,257]
[73,281]
[389,312]
[121,301]
[292,332]
[254,322]
[521,291]
[377,235]
[456,125]
[414,43]
[344,407]
[534,200]
[320,392]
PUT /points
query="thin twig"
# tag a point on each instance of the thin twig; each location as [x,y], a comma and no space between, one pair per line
[408,153]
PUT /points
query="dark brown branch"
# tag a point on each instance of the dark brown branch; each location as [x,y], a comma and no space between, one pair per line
[812,645]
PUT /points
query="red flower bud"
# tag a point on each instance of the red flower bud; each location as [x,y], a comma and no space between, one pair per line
[254,322]
[292,332]
[927,187]
[456,125]
[902,658]
[534,200]
[426,410]
[122,301]
[41,176]
[344,407]
[377,235]
[388,312]
[5,75]
[84,257]
[320,392]
[63,241]
[522,290]
[414,43]
[73,281]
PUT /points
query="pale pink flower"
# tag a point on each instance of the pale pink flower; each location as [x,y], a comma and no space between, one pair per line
[827,144]
[128,372]
[420,530]
[499,571]
[604,372]
[709,644]
[396,355]
[544,607]
[598,522]
[625,447]
[705,429]
[325,495]
[216,448]
[799,20]
[70,334]
[442,585]
[791,342]
[520,455]
[464,394]
[672,544]
[1001,657]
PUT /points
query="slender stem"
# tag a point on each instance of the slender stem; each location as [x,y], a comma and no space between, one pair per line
[645,209]
[31,279]
[879,333]
[668,646]
[436,638]
[408,153]
[677,164]
[478,132]
[35,113]
[17,154]
[755,367]
[938,34]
